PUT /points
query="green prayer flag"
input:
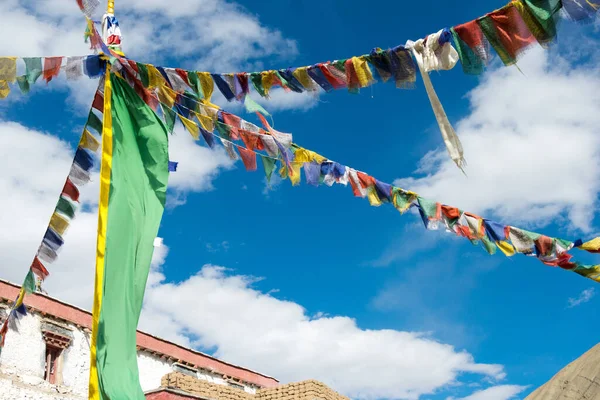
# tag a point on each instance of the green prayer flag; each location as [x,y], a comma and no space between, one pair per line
[169,115]
[531,235]
[489,246]
[540,16]
[471,63]
[29,284]
[489,30]
[252,106]
[65,207]
[429,207]
[23,84]
[564,243]
[256,79]
[33,69]
[143,71]
[269,165]
[195,83]
[224,130]
[138,188]
[94,122]
[402,199]
[340,65]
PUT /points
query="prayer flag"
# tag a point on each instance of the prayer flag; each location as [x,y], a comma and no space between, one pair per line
[39,269]
[134,174]
[51,67]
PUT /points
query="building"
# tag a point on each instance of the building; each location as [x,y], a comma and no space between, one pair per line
[48,359]
[580,380]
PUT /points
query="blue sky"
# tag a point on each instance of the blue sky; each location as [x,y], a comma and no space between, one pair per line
[530,141]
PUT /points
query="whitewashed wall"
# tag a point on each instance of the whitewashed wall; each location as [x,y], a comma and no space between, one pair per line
[22,366]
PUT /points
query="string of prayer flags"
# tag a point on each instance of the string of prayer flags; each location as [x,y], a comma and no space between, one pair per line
[60,220]
[317,170]
[491,235]
[507,33]
[540,17]
[46,67]
[173,166]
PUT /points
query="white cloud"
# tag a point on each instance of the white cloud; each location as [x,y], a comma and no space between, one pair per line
[280,338]
[198,164]
[532,145]
[213,35]
[583,297]
[36,165]
[501,392]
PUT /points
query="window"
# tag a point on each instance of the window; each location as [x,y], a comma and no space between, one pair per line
[235,385]
[52,364]
[177,367]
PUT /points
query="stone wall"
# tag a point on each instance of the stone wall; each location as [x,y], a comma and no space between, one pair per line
[306,390]
[204,388]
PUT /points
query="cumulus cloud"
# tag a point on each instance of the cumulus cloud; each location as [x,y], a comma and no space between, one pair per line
[583,297]
[532,144]
[36,165]
[501,392]
[280,338]
[213,35]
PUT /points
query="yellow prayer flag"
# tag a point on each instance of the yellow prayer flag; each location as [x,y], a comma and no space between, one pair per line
[207,84]
[592,245]
[296,173]
[303,155]
[4,89]
[363,73]
[59,224]
[191,127]
[205,121]
[505,247]
[167,96]
[89,141]
[155,78]
[20,299]
[8,69]
[373,198]
[302,75]
[268,79]
[406,202]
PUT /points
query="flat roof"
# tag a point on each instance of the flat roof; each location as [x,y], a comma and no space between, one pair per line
[78,316]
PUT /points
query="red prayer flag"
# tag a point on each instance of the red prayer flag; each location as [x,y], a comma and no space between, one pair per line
[38,268]
[351,77]
[234,122]
[365,180]
[336,82]
[451,212]
[98,103]
[564,261]
[51,67]
[512,30]
[183,74]
[543,244]
[248,158]
[133,65]
[249,139]
[70,190]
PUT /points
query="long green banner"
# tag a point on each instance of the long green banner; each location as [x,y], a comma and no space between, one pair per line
[134,174]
